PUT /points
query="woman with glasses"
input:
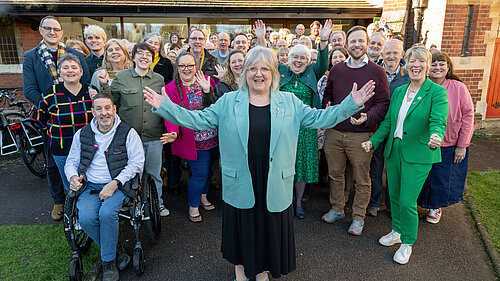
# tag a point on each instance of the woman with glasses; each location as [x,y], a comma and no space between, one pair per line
[258,128]
[193,91]
[230,80]
[116,58]
[300,77]
[161,64]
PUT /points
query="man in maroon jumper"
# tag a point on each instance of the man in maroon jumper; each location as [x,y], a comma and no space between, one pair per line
[344,140]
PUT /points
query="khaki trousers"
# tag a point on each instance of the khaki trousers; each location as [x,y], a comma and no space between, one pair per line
[340,146]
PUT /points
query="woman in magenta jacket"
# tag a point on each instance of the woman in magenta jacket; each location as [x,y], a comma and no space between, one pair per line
[446,181]
[194,91]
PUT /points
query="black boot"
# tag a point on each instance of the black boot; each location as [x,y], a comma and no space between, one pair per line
[122,259]
[109,271]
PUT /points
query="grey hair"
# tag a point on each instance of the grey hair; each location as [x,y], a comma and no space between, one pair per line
[265,55]
[300,50]
[399,43]
[421,53]
[307,39]
[338,31]
[161,51]
[94,30]
[68,57]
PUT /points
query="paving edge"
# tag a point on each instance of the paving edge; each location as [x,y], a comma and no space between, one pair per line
[488,245]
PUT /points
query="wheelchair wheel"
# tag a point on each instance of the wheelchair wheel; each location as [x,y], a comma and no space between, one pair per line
[75,269]
[149,198]
[138,261]
[33,157]
[82,240]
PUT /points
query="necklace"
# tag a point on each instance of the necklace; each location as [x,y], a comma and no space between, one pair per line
[411,94]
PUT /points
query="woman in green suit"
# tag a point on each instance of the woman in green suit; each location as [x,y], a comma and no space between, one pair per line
[258,128]
[414,125]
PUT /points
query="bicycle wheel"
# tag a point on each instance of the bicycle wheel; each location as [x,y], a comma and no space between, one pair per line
[75,233]
[33,156]
[151,205]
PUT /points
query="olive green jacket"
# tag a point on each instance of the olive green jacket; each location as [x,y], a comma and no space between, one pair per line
[126,89]
[310,76]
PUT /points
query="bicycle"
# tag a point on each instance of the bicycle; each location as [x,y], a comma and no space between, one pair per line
[19,133]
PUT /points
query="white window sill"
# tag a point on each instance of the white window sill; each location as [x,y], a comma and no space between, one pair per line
[11,68]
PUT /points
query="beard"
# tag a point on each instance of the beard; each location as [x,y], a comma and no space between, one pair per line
[354,56]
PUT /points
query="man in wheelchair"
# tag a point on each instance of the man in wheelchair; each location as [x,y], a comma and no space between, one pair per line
[105,156]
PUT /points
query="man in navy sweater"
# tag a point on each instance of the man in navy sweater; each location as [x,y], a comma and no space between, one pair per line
[40,73]
[344,140]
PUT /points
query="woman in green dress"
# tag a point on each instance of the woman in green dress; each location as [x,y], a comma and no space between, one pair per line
[301,77]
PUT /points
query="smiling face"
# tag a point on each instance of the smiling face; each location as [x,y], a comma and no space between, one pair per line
[95,42]
[298,63]
[143,59]
[187,69]
[114,54]
[154,42]
[197,42]
[50,36]
[236,63]
[438,70]
[337,57]
[174,39]
[392,53]
[281,43]
[104,112]
[300,29]
[213,39]
[70,72]
[283,58]
[315,30]
[337,40]
[224,42]
[259,78]
[357,44]
[375,46]
[417,68]
[241,43]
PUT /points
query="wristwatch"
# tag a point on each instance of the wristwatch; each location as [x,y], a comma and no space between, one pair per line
[118,183]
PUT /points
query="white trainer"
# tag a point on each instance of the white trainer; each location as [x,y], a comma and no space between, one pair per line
[434,215]
[402,255]
[164,211]
[390,239]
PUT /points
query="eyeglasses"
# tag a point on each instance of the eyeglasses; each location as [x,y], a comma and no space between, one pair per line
[49,29]
[144,54]
[269,31]
[186,66]
[264,70]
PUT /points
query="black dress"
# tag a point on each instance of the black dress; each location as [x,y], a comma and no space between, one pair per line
[256,238]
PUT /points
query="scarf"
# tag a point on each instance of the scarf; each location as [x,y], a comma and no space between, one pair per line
[155,61]
[49,62]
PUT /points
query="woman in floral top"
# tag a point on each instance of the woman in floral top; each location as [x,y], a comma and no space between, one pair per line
[194,91]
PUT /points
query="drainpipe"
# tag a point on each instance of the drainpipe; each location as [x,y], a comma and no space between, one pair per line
[418,7]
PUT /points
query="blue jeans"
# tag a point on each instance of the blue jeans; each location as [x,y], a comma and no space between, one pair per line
[99,219]
[53,176]
[200,175]
[376,171]
[153,152]
[60,162]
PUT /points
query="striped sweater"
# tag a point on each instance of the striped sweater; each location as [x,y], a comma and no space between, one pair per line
[63,114]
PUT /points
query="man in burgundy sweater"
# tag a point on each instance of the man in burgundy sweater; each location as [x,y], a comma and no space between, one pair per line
[344,140]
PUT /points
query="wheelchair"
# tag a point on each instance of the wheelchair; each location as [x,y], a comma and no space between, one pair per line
[144,209]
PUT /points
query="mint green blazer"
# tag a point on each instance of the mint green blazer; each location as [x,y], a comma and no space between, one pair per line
[427,115]
[230,115]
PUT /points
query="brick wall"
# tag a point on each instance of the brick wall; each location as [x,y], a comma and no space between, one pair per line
[454,27]
[472,78]
[394,13]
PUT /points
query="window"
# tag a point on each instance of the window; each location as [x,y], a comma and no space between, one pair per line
[8,45]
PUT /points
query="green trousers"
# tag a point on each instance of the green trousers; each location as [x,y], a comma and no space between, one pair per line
[405,181]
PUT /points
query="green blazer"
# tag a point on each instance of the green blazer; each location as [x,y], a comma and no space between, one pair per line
[230,115]
[310,76]
[427,115]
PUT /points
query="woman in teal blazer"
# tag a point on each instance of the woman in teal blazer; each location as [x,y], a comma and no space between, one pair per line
[258,130]
[414,126]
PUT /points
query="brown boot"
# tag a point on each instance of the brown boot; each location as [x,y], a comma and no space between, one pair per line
[58,212]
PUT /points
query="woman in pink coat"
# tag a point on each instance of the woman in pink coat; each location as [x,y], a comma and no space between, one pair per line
[446,181]
[194,91]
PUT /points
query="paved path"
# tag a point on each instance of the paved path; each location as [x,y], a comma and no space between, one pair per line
[451,250]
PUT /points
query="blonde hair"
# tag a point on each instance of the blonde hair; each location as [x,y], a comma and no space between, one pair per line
[265,55]
[73,42]
[421,53]
[94,30]
[106,64]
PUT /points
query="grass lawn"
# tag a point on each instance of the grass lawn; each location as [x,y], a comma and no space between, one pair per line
[38,252]
[485,189]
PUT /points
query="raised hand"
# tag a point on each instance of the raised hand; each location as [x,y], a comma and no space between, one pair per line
[360,120]
[153,98]
[435,141]
[260,29]
[103,77]
[364,94]
[92,92]
[367,145]
[325,30]
[221,71]
[203,81]
[168,137]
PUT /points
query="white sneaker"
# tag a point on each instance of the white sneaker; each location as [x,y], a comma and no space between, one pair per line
[356,227]
[434,215]
[402,255]
[390,239]
[164,211]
